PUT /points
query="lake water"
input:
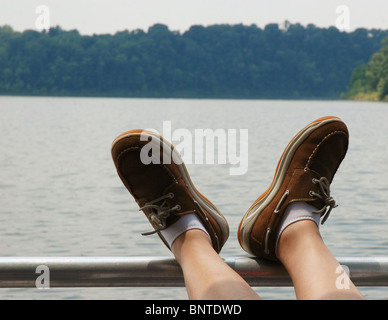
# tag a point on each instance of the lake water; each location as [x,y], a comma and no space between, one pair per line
[60,194]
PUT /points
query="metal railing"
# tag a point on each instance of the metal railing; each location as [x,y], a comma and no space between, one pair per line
[26,272]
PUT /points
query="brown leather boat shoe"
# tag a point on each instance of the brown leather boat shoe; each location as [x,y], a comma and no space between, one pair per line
[304,174]
[154,173]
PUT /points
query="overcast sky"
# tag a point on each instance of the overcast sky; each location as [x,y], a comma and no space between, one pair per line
[110,16]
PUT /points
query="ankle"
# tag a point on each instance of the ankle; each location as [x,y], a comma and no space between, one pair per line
[297,236]
[182,225]
[190,241]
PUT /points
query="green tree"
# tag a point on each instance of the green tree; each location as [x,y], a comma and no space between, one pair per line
[370,81]
[219,61]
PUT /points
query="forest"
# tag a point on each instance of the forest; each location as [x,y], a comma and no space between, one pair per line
[370,81]
[288,61]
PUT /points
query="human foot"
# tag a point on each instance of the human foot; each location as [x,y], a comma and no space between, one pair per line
[304,173]
[163,188]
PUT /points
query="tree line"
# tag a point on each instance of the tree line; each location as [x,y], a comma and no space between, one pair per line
[370,81]
[219,61]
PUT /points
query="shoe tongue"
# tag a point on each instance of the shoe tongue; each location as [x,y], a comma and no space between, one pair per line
[145,181]
[329,155]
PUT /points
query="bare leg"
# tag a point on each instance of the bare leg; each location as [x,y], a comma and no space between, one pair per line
[312,267]
[207,276]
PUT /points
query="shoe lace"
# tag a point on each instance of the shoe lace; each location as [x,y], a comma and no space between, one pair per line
[159,213]
[324,195]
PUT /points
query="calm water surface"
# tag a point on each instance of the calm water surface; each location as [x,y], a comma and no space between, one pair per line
[60,194]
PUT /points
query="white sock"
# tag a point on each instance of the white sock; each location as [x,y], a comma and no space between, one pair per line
[297,211]
[187,222]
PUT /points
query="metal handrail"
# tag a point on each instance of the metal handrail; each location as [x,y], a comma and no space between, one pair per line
[27,272]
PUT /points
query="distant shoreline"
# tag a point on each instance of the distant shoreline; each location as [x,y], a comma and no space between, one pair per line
[359,99]
[175,97]
[367,97]
[213,62]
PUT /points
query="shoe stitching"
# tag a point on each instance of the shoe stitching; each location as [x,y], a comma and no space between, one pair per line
[136,148]
[319,144]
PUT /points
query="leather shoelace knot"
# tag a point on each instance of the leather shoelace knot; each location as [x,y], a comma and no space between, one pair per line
[159,213]
[324,195]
